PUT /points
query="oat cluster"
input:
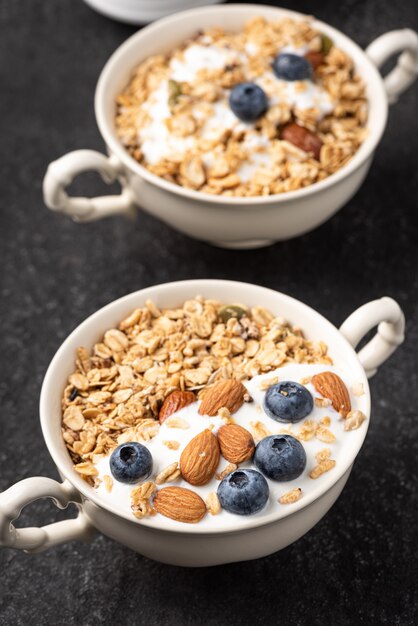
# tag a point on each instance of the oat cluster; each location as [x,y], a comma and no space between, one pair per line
[309,429]
[116,390]
[212,162]
[324,463]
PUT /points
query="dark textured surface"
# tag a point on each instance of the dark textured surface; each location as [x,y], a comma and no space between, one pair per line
[358,565]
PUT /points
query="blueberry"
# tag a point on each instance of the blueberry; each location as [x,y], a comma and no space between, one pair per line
[248,101]
[292,67]
[287,402]
[280,457]
[131,462]
[243,492]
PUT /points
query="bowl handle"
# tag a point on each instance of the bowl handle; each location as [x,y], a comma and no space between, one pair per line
[387,315]
[35,539]
[406,70]
[60,174]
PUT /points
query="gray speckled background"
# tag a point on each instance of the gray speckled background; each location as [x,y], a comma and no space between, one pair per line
[359,563]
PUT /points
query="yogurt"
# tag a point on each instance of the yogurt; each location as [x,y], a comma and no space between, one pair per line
[175,116]
[250,416]
[157,143]
[197,57]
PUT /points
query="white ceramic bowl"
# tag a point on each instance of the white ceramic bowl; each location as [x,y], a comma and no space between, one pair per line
[143,11]
[228,222]
[188,544]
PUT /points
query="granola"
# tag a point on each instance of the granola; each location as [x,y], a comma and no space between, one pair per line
[116,392]
[145,382]
[212,503]
[291,496]
[174,115]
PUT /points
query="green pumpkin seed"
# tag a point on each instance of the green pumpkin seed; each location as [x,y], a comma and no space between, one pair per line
[326,44]
[231,310]
[174,92]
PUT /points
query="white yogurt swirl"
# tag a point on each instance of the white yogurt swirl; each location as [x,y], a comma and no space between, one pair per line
[158,143]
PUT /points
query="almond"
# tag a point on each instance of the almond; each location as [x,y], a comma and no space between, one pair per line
[236,443]
[332,387]
[182,505]
[200,458]
[302,138]
[175,401]
[315,58]
[225,393]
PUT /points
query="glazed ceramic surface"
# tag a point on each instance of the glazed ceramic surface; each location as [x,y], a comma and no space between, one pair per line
[188,544]
[229,222]
[143,11]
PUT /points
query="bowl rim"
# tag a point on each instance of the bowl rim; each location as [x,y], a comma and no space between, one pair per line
[113,143]
[60,455]
[142,12]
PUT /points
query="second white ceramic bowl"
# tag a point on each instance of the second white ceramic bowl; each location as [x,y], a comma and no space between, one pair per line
[188,544]
[228,222]
[143,11]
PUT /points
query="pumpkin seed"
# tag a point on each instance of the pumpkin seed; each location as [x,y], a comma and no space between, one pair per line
[231,310]
[174,92]
[326,44]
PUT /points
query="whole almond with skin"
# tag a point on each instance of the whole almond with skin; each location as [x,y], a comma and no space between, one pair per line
[225,393]
[236,443]
[302,138]
[200,458]
[182,505]
[175,401]
[330,385]
[315,58]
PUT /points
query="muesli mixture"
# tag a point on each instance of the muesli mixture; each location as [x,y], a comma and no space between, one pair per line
[270,109]
[206,408]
